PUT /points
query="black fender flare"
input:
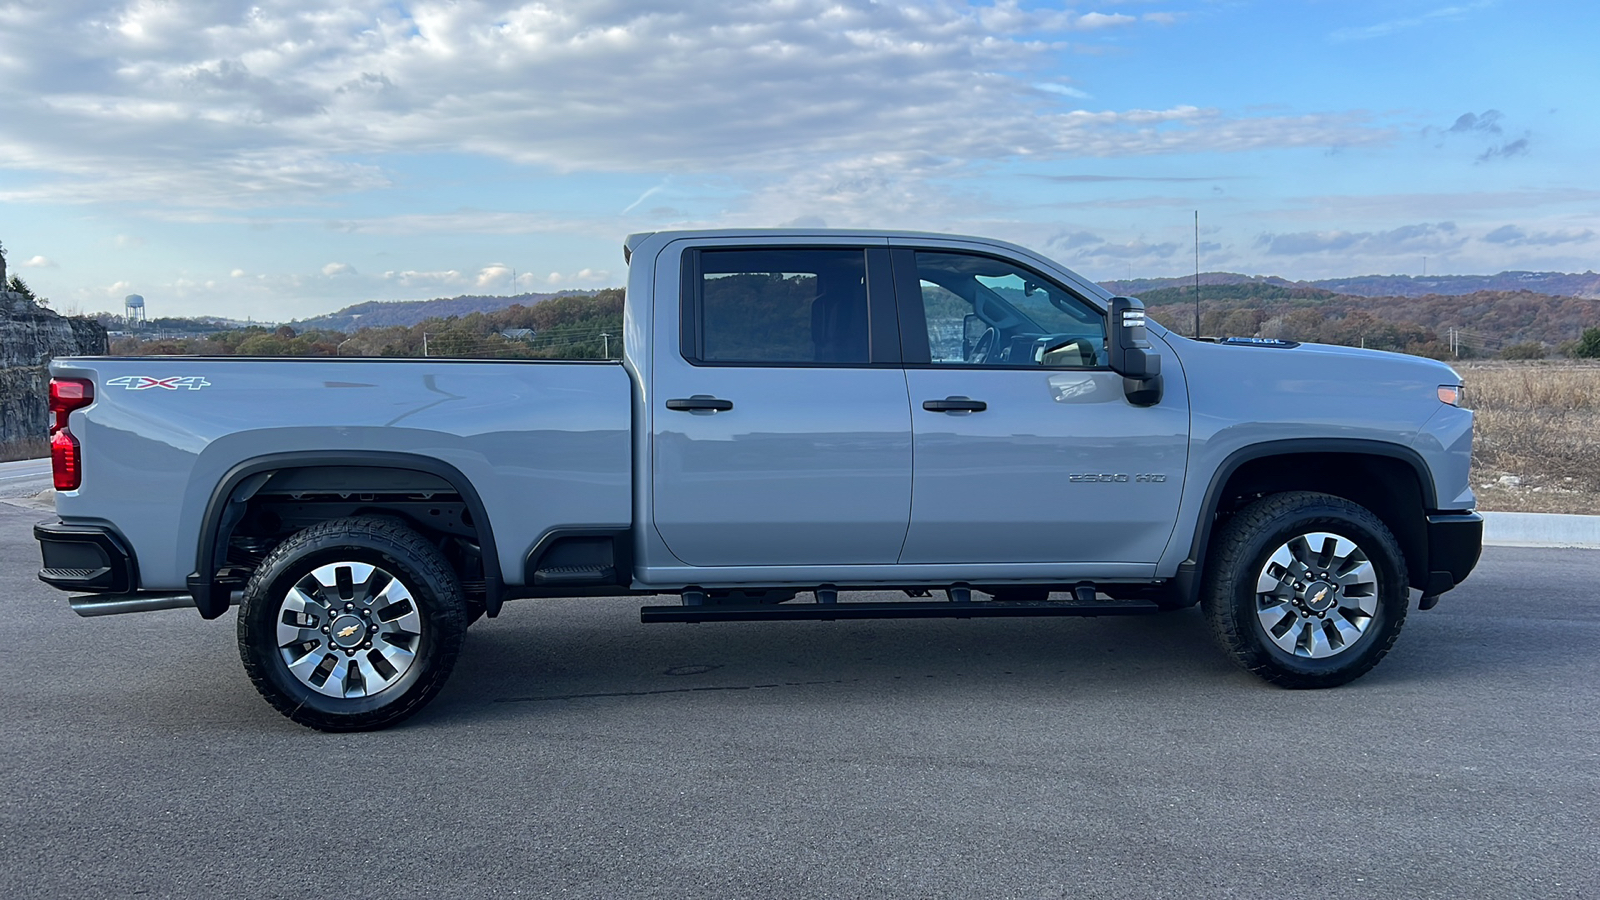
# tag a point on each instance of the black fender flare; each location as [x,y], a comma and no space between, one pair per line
[1188,571]
[212,600]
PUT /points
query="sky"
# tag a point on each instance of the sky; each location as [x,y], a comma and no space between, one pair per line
[278,160]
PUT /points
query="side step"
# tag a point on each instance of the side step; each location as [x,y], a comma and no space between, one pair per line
[90,605]
[575,575]
[892,610]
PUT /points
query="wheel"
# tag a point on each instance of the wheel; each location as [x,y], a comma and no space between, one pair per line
[984,346]
[1305,590]
[351,624]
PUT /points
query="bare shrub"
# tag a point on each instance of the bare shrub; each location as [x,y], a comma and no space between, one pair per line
[1538,433]
[24,448]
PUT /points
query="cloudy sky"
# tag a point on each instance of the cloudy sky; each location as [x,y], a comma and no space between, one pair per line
[283,158]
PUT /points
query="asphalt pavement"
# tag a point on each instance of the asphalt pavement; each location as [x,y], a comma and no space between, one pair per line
[578,753]
[24,478]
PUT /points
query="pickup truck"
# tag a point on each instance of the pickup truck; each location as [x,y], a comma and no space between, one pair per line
[798,416]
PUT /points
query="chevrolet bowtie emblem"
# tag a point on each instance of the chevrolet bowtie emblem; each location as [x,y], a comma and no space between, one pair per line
[1317,599]
[349,630]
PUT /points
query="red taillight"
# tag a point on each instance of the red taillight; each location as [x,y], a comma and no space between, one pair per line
[66,395]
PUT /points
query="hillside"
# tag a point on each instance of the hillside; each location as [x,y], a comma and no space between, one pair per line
[405,313]
[1483,323]
[569,326]
[1555,284]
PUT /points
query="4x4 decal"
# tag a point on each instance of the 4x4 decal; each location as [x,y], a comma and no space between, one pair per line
[145,382]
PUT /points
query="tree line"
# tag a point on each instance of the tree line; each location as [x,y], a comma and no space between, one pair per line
[573,327]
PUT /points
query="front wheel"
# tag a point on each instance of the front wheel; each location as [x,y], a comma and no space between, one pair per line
[351,624]
[1306,590]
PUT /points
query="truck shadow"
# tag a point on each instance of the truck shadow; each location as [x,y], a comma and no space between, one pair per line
[541,654]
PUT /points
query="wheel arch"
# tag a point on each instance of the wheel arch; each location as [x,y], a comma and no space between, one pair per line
[1391,480]
[226,505]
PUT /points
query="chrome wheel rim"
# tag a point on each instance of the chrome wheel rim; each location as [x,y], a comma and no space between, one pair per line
[348,630]
[1317,595]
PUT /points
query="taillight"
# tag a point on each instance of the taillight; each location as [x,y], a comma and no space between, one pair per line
[66,462]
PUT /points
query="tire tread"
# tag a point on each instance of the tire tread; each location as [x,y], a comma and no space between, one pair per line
[1234,548]
[448,622]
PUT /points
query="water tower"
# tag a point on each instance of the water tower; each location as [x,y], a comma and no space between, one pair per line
[133,311]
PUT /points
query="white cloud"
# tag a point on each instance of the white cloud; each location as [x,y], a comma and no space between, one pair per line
[411,278]
[230,103]
[40,262]
[493,275]
[1386,28]
[1407,240]
[1063,90]
[581,278]
[337,268]
[128,242]
[237,273]
[1513,236]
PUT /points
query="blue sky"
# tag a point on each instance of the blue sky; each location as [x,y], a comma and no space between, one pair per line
[282,159]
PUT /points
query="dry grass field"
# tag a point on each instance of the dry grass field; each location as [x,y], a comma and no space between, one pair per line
[1537,443]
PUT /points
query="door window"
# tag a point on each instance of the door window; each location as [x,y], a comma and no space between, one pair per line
[988,312]
[780,307]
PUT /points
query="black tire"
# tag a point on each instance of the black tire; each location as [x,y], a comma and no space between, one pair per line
[413,632]
[1242,558]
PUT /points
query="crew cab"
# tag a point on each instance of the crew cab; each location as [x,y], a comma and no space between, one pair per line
[798,416]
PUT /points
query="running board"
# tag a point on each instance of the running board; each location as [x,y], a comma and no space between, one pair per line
[893,610]
[89,605]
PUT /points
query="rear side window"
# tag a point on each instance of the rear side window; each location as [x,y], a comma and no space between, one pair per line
[780,307]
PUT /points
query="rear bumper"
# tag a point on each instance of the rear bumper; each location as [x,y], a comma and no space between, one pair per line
[1455,541]
[91,559]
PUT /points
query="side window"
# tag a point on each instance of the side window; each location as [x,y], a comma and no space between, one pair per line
[781,307]
[985,311]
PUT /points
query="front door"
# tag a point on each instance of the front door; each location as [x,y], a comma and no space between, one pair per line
[781,430]
[1026,449]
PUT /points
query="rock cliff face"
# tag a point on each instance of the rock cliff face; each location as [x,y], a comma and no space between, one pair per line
[30,336]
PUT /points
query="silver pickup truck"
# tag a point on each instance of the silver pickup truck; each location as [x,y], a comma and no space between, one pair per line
[798,415]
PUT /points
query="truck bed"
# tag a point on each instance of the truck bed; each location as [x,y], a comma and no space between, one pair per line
[546,443]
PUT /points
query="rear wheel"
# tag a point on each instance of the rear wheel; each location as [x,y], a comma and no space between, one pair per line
[1306,590]
[351,624]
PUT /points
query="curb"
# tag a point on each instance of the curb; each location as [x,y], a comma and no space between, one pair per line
[1509,529]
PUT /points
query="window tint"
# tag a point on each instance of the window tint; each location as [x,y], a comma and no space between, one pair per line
[985,311]
[783,306]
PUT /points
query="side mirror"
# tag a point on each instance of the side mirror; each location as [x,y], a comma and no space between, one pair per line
[1128,345]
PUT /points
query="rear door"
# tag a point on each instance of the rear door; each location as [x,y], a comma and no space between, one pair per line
[781,430]
[1026,448]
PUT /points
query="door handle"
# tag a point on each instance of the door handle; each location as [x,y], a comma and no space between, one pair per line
[700,402]
[955,404]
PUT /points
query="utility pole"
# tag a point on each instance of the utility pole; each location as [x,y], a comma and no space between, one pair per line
[1197,274]
[424,343]
[607,339]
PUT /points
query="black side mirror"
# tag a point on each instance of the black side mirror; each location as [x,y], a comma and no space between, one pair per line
[1128,345]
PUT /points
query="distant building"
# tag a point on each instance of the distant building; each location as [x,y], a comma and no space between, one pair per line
[524,335]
